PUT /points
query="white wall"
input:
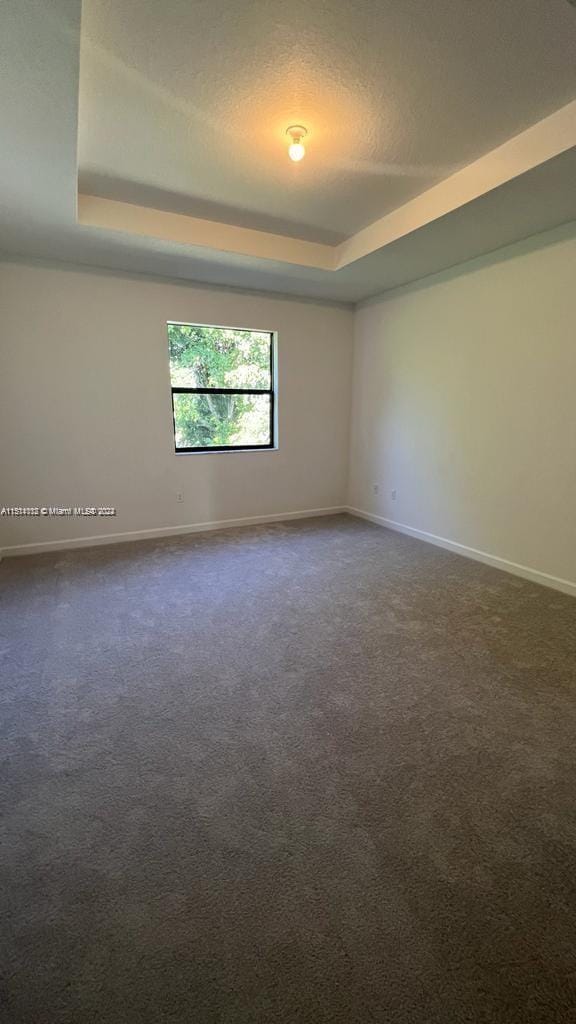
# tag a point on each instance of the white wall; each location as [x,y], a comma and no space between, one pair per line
[85,408]
[465,403]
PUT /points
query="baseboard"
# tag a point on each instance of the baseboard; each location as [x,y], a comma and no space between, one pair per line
[525,571]
[165,531]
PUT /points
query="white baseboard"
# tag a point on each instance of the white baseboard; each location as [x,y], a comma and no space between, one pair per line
[527,573]
[165,531]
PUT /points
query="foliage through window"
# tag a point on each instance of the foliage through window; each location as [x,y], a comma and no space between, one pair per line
[222,388]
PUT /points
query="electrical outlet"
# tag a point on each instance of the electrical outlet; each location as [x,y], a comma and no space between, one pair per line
[394,494]
[179,496]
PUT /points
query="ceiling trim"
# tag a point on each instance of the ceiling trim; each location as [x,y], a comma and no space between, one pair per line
[539,143]
[176,227]
[102,270]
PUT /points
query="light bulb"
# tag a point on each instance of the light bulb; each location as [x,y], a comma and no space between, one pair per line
[296,151]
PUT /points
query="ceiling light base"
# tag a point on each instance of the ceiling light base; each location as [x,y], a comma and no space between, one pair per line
[297,132]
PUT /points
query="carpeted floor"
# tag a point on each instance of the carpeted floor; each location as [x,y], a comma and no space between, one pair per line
[309,772]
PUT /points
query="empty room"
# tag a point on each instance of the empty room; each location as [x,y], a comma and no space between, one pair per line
[287,512]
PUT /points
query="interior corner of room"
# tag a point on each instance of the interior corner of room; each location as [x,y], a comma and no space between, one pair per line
[442,408]
[287,511]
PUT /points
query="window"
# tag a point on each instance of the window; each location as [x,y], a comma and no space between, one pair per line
[222,388]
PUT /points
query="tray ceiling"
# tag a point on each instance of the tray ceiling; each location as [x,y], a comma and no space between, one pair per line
[437,132]
[192,100]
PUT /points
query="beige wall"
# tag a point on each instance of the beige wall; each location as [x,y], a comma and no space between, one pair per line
[85,410]
[465,404]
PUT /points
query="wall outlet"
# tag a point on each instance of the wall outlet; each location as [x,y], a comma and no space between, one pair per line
[179,496]
[394,494]
[376,488]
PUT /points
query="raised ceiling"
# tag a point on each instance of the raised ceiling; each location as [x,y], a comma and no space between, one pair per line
[437,132]
[187,103]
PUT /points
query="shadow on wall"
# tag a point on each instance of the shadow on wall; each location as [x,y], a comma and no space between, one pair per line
[562,233]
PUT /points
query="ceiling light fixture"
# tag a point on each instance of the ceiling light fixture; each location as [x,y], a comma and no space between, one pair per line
[296,150]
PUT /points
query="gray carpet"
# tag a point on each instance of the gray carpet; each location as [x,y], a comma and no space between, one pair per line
[308,772]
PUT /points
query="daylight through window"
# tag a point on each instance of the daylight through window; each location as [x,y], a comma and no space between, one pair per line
[222,388]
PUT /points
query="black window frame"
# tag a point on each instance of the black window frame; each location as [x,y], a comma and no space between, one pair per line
[271,391]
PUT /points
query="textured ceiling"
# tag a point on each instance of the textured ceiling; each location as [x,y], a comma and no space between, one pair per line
[39,69]
[184,105]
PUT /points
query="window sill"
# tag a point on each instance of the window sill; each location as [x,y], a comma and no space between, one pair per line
[232,451]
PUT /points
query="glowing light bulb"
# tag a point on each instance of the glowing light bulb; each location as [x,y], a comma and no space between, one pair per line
[296,150]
